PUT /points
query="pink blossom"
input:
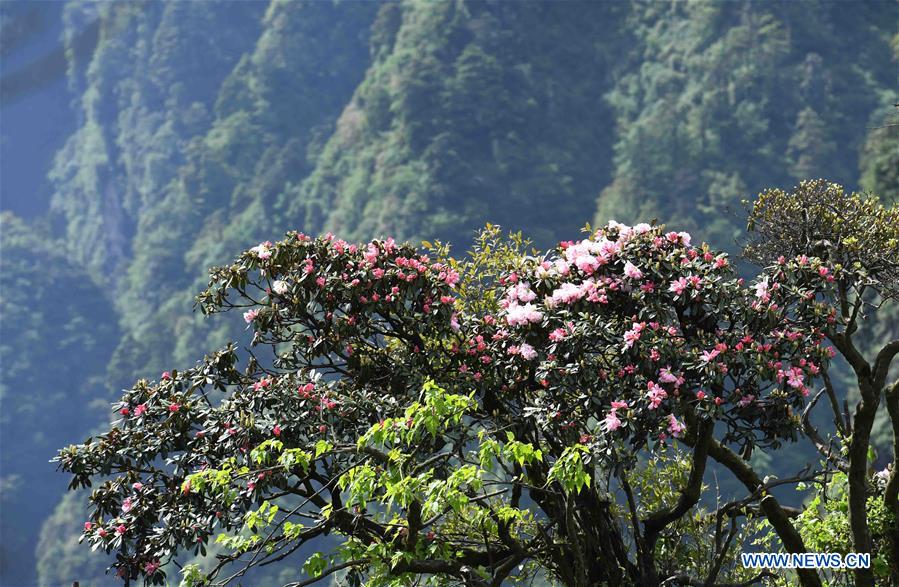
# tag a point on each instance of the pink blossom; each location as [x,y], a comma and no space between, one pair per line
[633,335]
[674,427]
[678,286]
[88,526]
[151,567]
[666,376]
[557,334]
[138,486]
[280,287]
[166,376]
[262,250]
[708,356]
[562,267]
[655,395]
[140,410]
[127,504]
[121,529]
[822,271]
[611,422]
[746,400]
[632,271]
[454,322]
[527,351]
[761,290]
[567,293]
[619,405]
[276,430]
[522,315]
[250,315]
[173,407]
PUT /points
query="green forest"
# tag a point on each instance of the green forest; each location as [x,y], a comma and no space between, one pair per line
[201,129]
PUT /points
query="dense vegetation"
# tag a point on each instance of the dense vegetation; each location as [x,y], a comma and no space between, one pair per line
[204,128]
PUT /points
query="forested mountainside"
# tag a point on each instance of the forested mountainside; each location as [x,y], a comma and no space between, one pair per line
[205,127]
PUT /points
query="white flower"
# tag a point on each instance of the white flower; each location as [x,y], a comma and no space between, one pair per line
[280,287]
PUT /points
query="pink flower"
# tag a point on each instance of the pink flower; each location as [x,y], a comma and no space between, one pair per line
[151,567]
[320,281]
[88,526]
[140,410]
[521,292]
[674,427]
[678,286]
[567,293]
[121,529]
[666,376]
[127,504]
[262,250]
[619,405]
[632,271]
[138,486]
[527,351]
[708,356]
[655,395]
[611,422]
[561,267]
[454,322]
[557,334]
[761,290]
[700,395]
[795,378]
[822,271]
[276,430]
[166,376]
[174,407]
[522,315]
[633,335]
[746,400]
[250,315]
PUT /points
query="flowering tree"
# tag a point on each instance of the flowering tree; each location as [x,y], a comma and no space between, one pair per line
[466,422]
[819,224]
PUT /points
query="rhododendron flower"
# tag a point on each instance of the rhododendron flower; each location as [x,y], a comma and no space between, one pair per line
[674,427]
[517,315]
[655,395]
[454,322]
[140,410]
[280,287]
[632,271]
[165,376]
[250,315]
[521,292]
[746,400]
[88,526]
[527,351]
[138,486]
[633,335]
[276,430]
[761,290]
[611,422]
[666,376]
[174,407]
[708,356]
[617,404]
[262,250]
[567,293]
[127,504]
[557,334]
[151,567]
[121,529]
[562,267]
[678,286]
